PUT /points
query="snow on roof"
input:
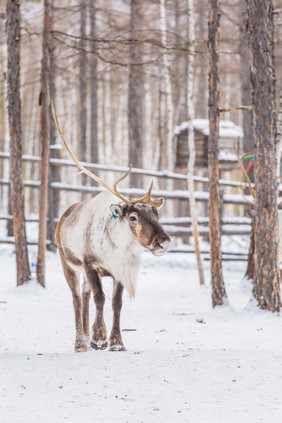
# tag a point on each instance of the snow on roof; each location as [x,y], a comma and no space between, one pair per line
[227,156]
[227,128]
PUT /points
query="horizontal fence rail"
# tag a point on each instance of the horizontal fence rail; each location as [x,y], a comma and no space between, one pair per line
[178,227]
[130,192]
[158,174]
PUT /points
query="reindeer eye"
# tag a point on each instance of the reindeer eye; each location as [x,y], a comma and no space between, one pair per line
[132,218]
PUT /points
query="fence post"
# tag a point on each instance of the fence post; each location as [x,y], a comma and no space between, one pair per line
[53,197]
[221,202]
[10,229]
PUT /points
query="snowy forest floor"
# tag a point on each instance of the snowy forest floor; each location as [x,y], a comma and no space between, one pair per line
[185,362]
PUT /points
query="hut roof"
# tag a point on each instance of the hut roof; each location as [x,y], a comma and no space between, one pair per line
[227,128]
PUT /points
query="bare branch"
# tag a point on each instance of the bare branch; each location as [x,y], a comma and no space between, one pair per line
[234,109]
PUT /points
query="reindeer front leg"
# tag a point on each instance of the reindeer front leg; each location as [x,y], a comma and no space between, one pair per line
[99,330]
[116,343]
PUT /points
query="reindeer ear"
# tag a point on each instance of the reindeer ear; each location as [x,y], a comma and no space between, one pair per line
[117,211]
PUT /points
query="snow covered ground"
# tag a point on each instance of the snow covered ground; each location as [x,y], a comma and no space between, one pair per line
[185,362]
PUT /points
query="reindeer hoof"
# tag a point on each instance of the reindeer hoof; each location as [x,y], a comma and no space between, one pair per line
[117,348]
[99,345]
[81,348]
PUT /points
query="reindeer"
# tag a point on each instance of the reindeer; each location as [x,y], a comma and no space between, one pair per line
[105,236]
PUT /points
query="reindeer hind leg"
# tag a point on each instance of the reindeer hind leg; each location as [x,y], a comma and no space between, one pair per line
[86,291]
[72,278]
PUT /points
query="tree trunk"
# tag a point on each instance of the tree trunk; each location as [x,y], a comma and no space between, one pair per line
[266,281]
[135,93]
[191,143]
[250,272]
[279,137]
[44,102]
[14,111]
[202,86]
[82,86]
[245,78]
[54,171]
[218,289]
[169,136]
[94,152]
[2,108]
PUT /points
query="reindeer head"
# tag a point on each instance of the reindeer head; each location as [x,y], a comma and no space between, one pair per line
[141,213]
[143,220]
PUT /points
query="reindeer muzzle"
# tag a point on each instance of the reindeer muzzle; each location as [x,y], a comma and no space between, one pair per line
[162,247]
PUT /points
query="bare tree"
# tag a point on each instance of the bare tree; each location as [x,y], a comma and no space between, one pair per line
[266,280]
[54,171]
[218,289]
[245,77]
[94,152]
[168,90]
[2,101]
[135,92]
[279,137]
[202,63]
[82,84]
[14,112]
[191,143]
[44,102]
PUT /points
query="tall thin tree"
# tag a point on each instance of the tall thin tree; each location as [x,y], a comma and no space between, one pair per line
[82,84]
[167,88]
[245,79]
[246,100]
[14,112]
[94,151]
[261,30]
[168,107]
[135,93]
[54,171]
[2,102]
[191,143]
[218,289]
[44,101]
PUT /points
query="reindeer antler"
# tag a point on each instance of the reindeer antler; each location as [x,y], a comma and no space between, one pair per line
[145,199]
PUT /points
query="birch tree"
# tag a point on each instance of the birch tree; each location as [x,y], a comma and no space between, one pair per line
[261,29]
[218,288]
[168,99]
[191,143]
[14,114]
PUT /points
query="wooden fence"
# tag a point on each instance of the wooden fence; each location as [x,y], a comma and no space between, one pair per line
[176,226]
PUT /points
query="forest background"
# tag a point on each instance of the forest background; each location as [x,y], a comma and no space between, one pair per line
[123,77]
[96,68]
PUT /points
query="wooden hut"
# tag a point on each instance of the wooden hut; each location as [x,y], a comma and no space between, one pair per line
[228,135]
